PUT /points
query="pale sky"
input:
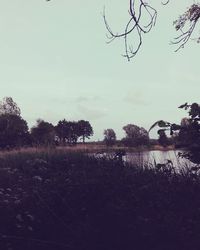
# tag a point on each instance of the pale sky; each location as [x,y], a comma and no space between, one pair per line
[55,63]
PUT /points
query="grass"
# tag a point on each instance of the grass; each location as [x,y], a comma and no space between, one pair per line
[89,147]
[55,200]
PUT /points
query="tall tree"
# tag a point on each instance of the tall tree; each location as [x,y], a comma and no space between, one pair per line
[109,137]
[13,131]
[67,132]
[163,140]
[43,134]
[73,132]
[135,136]
[181,138]
[62,131]
[84,129]
[8,106]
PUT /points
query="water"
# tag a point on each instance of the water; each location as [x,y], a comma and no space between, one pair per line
[155,157]
[152,156]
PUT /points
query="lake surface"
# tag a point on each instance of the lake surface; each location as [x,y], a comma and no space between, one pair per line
[152,158]
[155,157]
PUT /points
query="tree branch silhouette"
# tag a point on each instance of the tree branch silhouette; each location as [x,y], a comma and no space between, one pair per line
[134,24]
[185,24]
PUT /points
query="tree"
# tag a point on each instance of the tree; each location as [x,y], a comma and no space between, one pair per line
[181,138]
[43,133]
[13,131]
[189,132]
[84,129]
[163,140]
[109,137]
[138,9]
[135,136]
[62,131]
[73,132]
[67,132]
[8,106]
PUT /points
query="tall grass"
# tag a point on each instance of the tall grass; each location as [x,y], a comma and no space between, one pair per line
[50,199]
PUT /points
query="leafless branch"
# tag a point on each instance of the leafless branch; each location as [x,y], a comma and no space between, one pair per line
[186,24]
[134,24]
[165,3]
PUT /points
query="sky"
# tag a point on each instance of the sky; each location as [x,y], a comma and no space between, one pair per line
[55,64]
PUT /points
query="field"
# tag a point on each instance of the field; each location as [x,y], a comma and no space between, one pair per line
[87,148]
[54,200]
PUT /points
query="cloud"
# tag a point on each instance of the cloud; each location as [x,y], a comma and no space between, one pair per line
[135,98]
[91,113]
[88,99]
[81,99]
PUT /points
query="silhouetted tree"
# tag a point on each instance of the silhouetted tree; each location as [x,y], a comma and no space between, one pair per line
[84,129]
[67,132]
[135,136]
[142,17]
[73,132]
[163,140]
[189,131]
[8,106]
[43,134]
[62,131]
[181,137]
[13,131]
[109,137]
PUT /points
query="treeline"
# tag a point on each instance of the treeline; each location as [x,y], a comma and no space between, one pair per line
[14,131]
[134,136]
[185,136]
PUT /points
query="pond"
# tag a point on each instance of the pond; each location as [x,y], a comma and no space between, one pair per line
[156,156]
[153,157]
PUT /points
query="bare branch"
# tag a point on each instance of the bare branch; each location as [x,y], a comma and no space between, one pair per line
[134,24]
[165,3]
[185,24]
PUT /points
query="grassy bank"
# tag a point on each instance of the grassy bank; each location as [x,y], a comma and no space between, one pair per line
[87,148]
[57,200]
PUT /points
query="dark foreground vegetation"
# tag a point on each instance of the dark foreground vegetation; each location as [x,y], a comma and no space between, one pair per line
[53,200]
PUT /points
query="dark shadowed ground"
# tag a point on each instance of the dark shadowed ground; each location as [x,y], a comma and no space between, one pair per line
[55,200]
